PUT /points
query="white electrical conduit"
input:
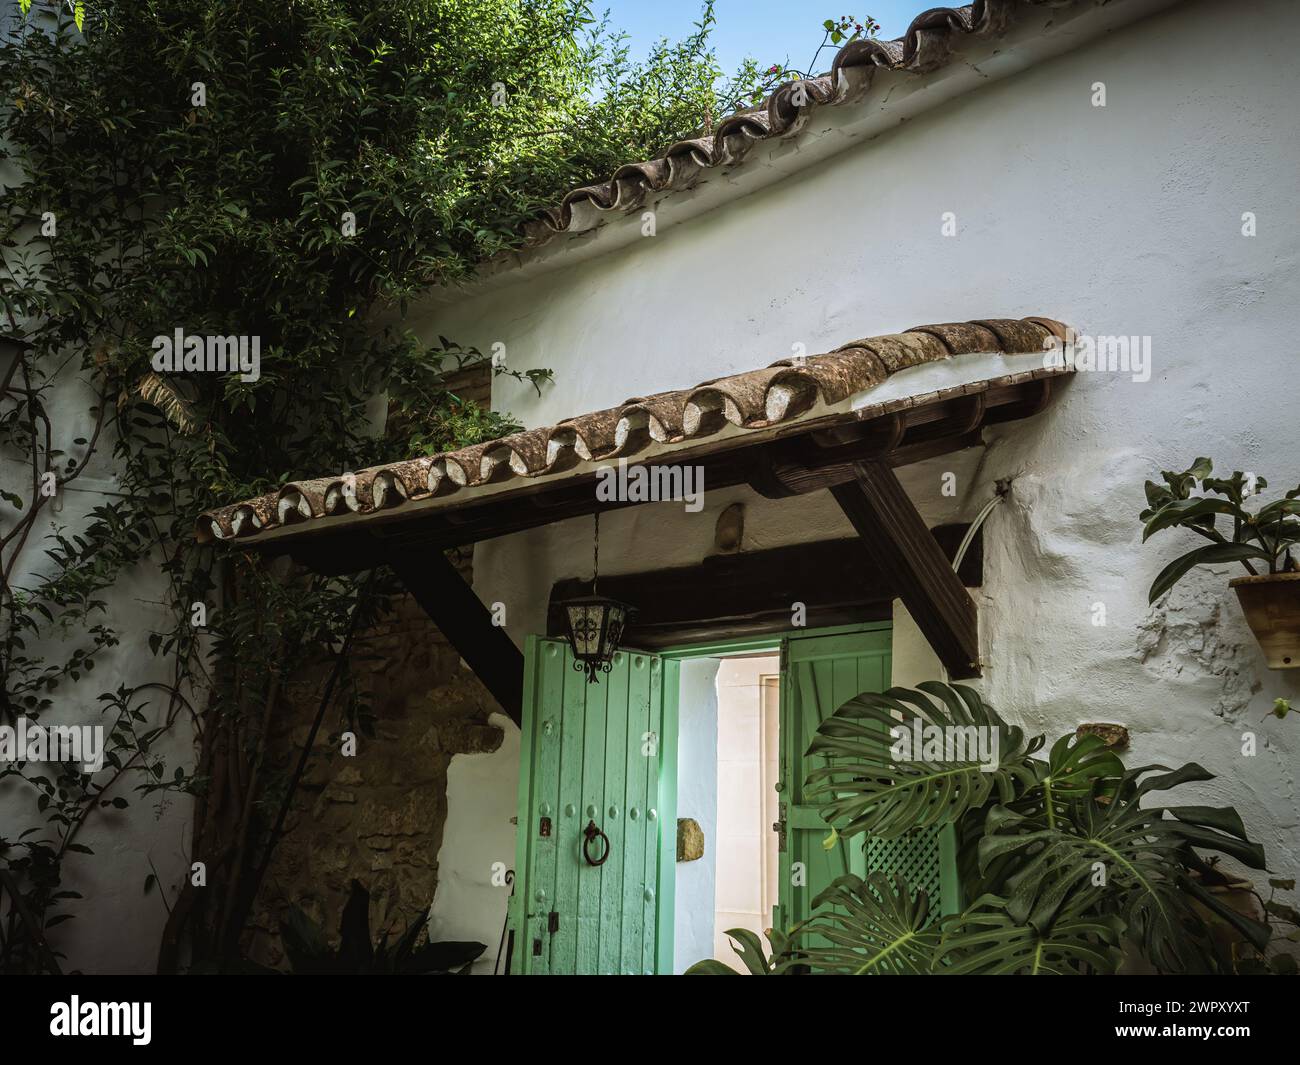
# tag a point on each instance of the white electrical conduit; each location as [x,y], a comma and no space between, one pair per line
[974,528]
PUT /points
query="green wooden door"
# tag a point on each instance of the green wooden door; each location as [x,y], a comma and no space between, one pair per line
[819,674]
[593,753]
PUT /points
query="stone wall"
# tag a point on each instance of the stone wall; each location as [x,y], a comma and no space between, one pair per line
[377,816]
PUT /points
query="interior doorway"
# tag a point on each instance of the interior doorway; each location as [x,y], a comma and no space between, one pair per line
[749,763]
[746,714]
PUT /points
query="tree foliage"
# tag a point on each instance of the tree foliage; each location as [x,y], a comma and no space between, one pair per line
[295,172]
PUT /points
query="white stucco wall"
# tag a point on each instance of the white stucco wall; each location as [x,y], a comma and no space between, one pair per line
[1117,220]
[478,845]
[116,926]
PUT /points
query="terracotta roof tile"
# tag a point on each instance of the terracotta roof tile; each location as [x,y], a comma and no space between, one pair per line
[926,46]
[780,394]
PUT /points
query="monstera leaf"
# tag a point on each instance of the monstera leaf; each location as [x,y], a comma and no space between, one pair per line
[752,955]
[865,788]
[1077,766]
[987,940]
[882,926]
[872,927]
[1066,856]
[1116,857]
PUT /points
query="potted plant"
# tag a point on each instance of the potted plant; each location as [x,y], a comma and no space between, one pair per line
[1262,541]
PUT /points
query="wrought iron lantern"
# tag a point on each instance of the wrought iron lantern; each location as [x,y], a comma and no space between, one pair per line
[595,624]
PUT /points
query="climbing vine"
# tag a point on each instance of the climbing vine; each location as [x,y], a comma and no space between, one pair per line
[291,176]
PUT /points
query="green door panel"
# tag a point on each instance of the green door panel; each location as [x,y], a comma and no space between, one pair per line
[820,674]
[591,752]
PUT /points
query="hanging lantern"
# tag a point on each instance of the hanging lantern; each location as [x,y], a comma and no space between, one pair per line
[595,624]
[595,630]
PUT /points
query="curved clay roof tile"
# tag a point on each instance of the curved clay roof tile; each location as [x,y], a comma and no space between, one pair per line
[777,394]
[961,338]
[927,45]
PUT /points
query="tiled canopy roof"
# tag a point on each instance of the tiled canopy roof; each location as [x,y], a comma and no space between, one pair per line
[785,393]
[926,46]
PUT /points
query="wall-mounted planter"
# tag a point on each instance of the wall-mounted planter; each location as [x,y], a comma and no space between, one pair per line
[1271,603]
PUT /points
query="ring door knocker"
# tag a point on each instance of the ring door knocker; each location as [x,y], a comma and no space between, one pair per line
[590,833]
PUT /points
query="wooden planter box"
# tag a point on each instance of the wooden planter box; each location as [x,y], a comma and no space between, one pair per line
[1271,603]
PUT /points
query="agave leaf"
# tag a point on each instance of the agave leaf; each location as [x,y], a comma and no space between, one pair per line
[355,951]
[450,956]
[863,788]
[405,945]
[305,944]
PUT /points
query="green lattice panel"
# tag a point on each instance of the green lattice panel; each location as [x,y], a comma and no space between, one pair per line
[914,857]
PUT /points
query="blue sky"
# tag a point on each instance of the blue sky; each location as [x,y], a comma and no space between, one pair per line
[769,30]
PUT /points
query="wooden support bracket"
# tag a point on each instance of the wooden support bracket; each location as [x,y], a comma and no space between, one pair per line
[452,605]
[898,542]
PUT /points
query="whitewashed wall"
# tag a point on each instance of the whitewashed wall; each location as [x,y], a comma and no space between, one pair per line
[116,926]
[1117,220]
[478,845]
[1121,220]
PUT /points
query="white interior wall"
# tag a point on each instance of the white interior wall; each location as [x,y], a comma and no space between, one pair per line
[744,828]
[697,797]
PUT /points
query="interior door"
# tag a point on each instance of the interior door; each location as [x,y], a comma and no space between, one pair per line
[593,754]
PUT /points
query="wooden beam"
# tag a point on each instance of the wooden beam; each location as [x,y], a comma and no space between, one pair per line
[753,592]
[898,542]
[452,605]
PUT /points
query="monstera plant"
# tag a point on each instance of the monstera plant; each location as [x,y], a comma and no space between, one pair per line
[1064,859]
[1263,540]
